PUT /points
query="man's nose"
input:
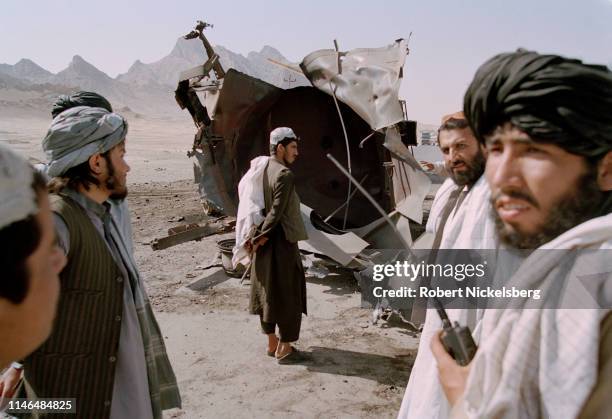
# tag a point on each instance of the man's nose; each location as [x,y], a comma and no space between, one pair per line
[503,171]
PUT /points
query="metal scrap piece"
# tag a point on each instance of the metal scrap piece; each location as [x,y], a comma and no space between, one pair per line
[340,247]
[185,233]
[369,82]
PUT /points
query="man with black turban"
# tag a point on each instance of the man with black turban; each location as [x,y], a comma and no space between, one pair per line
[547,124]
[81,98]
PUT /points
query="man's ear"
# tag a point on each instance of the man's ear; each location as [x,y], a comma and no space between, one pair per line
[604,172]
[95,163]
[483,148]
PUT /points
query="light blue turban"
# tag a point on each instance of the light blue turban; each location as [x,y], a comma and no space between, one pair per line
[78,133]
[17,198]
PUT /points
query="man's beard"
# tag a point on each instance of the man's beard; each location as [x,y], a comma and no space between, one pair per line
[584,204]
[286,162]
[118,191]
[473,170]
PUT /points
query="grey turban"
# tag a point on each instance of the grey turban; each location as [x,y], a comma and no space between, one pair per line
[551,98]
[94,100]
[78,133]
[17,198]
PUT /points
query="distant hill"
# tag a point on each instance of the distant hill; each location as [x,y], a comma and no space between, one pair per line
[27,70]
[145,88]
[189,53]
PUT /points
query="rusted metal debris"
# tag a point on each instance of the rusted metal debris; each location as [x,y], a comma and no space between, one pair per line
[189,232]
[234,113]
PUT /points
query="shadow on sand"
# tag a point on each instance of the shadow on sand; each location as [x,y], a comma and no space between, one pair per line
[382,369]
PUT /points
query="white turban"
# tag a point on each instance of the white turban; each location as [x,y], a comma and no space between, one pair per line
[78,133]
[280,133]
[17,198]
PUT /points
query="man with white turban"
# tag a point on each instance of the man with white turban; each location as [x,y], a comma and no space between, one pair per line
[278,284]
[31,262]
[106,349]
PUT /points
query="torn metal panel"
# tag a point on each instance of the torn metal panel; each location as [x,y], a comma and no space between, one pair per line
[366,79]
[238,96]
[208,280]
[411,184]
[340,247]
[393,143]
[200,70]
[381,236]
[415,185]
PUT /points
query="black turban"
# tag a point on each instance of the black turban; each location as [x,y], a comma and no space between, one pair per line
[551,98]
[90,99]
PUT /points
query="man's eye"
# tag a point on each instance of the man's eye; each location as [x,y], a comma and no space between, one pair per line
[534,150]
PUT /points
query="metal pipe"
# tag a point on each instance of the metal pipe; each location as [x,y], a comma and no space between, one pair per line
[372,201]
[342,206]
[364,140]
[348,154]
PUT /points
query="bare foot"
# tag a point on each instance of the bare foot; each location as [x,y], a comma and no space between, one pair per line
[272,343]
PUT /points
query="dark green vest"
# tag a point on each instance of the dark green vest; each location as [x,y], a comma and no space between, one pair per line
[78,360]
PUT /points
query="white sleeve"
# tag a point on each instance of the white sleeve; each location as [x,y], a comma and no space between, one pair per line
[439,169]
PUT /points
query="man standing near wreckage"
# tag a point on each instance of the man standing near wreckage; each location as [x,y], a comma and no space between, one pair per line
[278,284]
[106,349]
[546,121]
[459,219]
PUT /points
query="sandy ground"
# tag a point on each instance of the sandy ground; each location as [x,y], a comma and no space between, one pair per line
[218,352]
[156,148]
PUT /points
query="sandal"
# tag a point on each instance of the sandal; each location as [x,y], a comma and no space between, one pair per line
[293,357]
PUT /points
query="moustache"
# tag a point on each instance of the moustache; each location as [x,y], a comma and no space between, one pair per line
[513,193]
[456,163]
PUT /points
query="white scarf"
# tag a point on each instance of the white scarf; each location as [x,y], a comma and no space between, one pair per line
[542,362]
[250,206]
[470,227]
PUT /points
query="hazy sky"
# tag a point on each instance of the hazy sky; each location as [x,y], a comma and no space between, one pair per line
[450,38]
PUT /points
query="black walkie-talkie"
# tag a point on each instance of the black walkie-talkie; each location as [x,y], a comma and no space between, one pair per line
[457,340]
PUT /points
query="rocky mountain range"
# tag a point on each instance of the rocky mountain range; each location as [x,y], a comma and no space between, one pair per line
[144,88]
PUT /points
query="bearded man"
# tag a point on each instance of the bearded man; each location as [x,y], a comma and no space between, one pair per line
[106,349]
[278,284]
[546,121]
[459,219]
